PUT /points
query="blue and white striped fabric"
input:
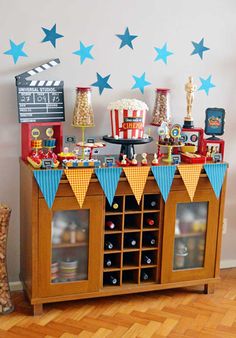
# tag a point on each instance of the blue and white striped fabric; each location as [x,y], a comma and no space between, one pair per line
[164,176]
[108,178]
[48,181]
[216,173]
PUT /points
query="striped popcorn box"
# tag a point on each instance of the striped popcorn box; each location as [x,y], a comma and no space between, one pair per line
[128,118]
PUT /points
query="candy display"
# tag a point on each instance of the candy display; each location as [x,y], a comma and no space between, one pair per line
[78,163]
[161,111]
[128,118]
[37,155]
[83,111]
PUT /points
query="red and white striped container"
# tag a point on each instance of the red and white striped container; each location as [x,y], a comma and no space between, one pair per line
[126,121]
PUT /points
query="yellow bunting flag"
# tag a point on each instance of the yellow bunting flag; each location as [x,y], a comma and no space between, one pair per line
[79,180]
[190,174]
[137,177]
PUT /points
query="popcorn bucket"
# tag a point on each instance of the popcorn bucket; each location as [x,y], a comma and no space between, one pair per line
[127,124]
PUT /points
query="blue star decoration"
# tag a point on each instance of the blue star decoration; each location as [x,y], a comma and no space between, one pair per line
[206,84]
[16,51]
[126,38]
[140,82]
[102,83]
[84,52]
[162,53]
[199,48]
[51,35]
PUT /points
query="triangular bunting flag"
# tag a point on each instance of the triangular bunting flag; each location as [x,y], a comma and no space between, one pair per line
[108,178]
[216,173]
[79,180]
[137,177]
[190,174]
[48,181]
[164,176]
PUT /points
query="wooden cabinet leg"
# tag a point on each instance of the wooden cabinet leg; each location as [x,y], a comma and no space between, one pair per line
[209,288]
[38,309]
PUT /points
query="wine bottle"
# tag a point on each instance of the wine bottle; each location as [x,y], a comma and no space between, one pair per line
[149,240]
[147,260]
[144,276]
[112,280]
[153,204]
[115,206]
[149,221]
[110,225]
[108,245]
[130,242]
[107,262]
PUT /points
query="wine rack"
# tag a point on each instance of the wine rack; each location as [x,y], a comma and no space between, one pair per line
[132,240]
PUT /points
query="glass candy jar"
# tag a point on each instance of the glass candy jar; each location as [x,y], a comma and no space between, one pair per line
[161,112]
[83,112]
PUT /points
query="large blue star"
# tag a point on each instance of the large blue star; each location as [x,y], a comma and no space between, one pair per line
[102,83]
[126,38]
[162,53]
[51,35]
[84,52]
[140,82]
[199,48]
[206,84]
[16,51]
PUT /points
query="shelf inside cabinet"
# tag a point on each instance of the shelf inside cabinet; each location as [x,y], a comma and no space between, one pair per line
[148,275]
[130,276]
[131,204]
[111,278]
[191,234]
[68,245]
[112,261]
[132,221]
[151,202]
[117,205]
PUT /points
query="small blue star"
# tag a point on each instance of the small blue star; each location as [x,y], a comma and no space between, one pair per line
[51,35]
[84,52]
[140,82]
[206,84]
[126,38]
[162,53]
[16,50]
[199,48]
[102,83]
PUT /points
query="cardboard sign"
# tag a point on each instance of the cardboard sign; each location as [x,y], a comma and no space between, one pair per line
[40,101]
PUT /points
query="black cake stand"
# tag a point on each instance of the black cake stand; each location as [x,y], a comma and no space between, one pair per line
[127,145]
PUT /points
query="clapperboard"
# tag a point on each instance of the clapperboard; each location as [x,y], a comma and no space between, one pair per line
[40,101]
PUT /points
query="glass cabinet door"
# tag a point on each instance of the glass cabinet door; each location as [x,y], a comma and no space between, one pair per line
[70,233]
[190,235]
[70,246]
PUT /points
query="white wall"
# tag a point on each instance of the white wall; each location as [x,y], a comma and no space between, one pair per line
[96,22]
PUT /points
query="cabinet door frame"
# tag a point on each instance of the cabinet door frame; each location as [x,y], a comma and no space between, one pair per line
[168,275]
[95,206]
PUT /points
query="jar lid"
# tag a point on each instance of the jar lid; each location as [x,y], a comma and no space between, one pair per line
[162,90]
[81,89]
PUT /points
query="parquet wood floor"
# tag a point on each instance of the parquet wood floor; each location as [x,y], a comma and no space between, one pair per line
[174,313]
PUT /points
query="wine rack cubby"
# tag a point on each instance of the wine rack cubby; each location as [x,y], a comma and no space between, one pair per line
[134,231]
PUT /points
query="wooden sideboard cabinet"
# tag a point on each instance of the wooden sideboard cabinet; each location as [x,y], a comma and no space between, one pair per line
[70,253]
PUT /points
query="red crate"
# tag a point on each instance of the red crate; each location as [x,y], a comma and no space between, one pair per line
[26,136]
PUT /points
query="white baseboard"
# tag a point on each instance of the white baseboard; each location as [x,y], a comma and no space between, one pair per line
[16,286]
[228,263]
